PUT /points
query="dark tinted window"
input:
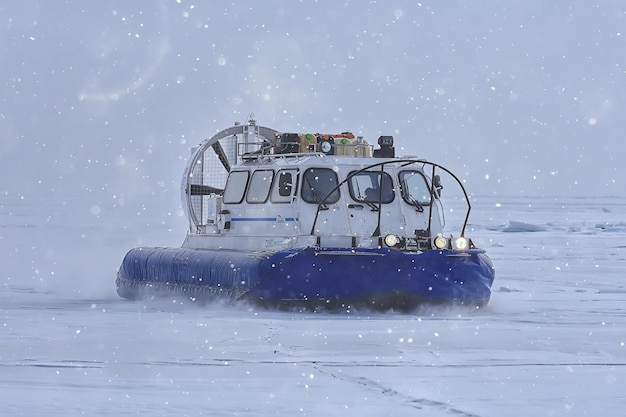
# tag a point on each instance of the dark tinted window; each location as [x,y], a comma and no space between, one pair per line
[284,186]
[365,186]
[317,183]
[414,187]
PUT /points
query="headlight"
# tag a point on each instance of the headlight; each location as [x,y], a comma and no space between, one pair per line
[440,242]
[365,242]
[392,240]
[460,243]
[326,146]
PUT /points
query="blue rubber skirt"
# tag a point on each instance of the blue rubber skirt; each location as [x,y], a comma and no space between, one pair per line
[380,278]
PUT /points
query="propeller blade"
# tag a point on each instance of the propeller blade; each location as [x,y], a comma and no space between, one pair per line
[219,151]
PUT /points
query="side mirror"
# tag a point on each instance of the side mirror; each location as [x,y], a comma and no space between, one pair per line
[437,187]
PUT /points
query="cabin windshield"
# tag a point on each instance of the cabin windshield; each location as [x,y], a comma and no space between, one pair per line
[236,187]
[284,186]
[317,183]
[259,188]
[365,186]
[415,189]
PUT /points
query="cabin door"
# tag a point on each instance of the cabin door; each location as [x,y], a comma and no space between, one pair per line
[374,206]
[282,207]
[416,197]
[322,210]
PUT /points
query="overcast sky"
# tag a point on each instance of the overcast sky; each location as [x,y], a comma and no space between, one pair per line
[104,99]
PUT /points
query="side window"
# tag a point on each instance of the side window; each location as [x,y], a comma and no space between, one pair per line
[285,186]
[365,187]
[317,183]
[235,187]
[414,187]
[259,188]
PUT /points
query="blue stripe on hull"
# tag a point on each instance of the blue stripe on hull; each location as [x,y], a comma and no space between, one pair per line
[262,219]
[315,275]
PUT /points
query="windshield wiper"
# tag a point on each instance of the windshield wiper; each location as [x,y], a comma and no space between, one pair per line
[414,203]
[316,195]
[373,206]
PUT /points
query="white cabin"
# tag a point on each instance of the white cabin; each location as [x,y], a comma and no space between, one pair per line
[286,190]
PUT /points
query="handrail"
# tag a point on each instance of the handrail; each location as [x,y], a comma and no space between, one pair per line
[404,162]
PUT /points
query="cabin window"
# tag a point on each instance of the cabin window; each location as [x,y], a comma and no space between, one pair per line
[284,186]
[236,187]
[414,188]
[259,188]
[365,186]
[317,183]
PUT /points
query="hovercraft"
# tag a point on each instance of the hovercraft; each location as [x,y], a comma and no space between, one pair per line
[314,220]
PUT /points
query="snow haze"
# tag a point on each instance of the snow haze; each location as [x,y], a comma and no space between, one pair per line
[104,99]
[101,101]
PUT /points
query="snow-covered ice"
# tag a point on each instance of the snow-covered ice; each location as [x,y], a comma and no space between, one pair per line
[101,102]
[551,342]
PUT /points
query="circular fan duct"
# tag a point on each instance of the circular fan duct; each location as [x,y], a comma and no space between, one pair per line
[207,169]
